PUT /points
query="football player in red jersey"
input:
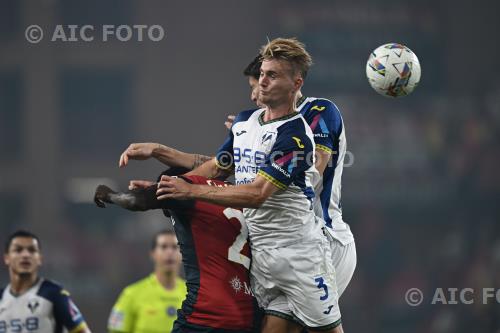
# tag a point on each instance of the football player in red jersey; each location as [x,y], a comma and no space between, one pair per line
[215,255]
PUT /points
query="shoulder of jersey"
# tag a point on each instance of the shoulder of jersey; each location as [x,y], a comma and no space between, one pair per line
[295,125]
[319,105]
[181,283]
[245,115]
[50,290]
[138,285]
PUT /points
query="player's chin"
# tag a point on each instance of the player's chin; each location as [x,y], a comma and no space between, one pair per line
[167,268]
[25,271]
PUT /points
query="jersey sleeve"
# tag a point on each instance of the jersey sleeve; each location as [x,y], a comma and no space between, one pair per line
[292,154]
[326,124]
[225,155]
[66,313]
[123,314]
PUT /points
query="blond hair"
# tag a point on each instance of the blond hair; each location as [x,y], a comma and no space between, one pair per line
[289,49]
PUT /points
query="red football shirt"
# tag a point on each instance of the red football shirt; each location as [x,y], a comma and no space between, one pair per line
[216,258]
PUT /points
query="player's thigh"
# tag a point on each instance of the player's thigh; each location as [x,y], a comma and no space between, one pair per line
[277,324]
[344,259]
[306,276]
[279,308]
[262,282]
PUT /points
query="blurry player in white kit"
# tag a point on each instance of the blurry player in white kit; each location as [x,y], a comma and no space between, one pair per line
[31,303]
[272,151]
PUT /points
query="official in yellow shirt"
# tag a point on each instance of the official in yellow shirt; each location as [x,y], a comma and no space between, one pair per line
[150,305]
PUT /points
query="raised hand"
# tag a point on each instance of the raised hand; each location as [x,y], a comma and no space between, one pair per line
[173,188]
[102,193]
[137,151]
[229,121]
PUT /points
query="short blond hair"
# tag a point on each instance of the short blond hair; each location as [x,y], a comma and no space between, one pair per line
[289,49]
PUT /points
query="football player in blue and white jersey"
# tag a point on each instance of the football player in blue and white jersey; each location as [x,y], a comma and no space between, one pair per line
[272,152]
[327,125]
[30,303]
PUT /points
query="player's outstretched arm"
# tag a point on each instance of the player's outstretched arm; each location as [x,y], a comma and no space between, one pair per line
[210,169]
[167,155]
[137,199]
[250,195]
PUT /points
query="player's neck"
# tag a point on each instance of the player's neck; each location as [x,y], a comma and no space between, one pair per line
[278,111]
[20,283]
[298,95]
[167,279]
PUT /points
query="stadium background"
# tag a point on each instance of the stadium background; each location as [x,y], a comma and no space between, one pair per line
[421,195]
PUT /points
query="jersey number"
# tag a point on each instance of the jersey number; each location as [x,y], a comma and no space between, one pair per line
[322,285]
[234,252]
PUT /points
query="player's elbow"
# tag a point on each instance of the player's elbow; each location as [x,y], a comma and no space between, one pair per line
[257,200]
[254,203]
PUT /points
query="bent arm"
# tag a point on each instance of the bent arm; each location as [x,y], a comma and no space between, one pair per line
[139,199]
[176,158]
[210,169]
[250,195]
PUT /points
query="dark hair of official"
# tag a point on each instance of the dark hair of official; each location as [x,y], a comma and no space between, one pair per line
[154,241]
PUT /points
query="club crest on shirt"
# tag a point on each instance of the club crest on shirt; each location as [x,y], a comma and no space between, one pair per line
[236,284]
[171,311]
[33,304]
[267,137]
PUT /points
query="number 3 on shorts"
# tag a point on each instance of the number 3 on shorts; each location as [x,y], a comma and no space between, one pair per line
[322,285]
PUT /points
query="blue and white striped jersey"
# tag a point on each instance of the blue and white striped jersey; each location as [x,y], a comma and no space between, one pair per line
[327,126]
[44,308]
[282,151]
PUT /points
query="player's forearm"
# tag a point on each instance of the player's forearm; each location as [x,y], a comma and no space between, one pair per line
[135,200]
[243,196]
[176,158]
[210,169]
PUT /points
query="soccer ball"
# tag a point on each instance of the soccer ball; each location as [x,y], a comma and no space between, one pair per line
[393,70]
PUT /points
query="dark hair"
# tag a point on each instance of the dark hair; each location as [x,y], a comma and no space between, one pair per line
[172,171]
[22,234]
[253,68]
[154,241]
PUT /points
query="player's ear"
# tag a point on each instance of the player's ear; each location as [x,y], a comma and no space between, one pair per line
[6,259]
[299,81]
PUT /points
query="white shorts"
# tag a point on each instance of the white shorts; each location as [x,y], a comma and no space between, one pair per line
[344,259]
[297,283]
